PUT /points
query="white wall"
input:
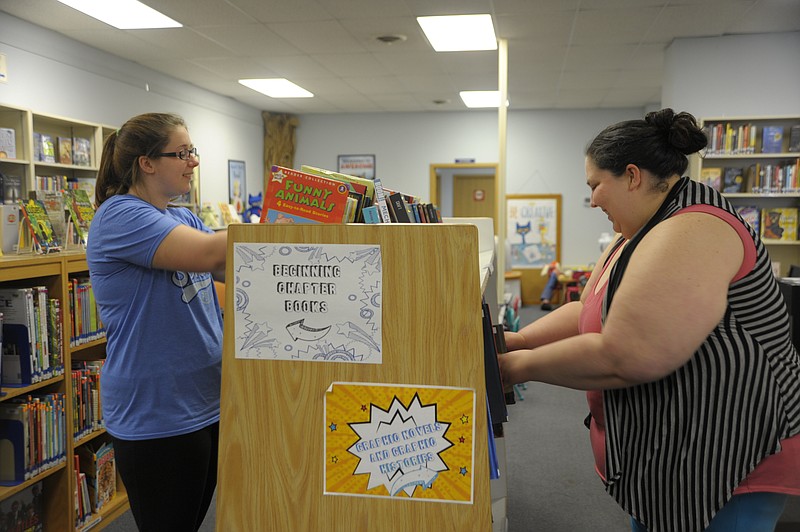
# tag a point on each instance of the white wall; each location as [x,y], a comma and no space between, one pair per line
[52,74]
[735,75]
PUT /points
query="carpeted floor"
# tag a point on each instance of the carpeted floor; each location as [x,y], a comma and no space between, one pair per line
[552,486]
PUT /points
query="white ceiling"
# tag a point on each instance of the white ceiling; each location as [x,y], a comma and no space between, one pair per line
[561,53]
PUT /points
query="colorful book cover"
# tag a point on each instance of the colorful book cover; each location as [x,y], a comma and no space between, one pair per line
[101,473]
[24,511]
[47,148]
[41,229]
[779,223]
[81,213]
[56,209]
[712,177]
[294,196]
[361,189]
[81,151]
[65,150]
[752,215]
[772,139]
[733,180]
[8,143]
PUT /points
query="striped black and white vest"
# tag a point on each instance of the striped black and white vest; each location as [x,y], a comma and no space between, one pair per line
[676,448]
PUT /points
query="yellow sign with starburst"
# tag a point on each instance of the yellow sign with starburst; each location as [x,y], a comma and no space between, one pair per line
[400,441]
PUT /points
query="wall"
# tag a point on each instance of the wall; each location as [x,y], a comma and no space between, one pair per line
[544,156]
[51,74]
[735,75]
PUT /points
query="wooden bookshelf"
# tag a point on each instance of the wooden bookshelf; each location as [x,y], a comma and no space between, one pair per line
[54,271]
[272,430]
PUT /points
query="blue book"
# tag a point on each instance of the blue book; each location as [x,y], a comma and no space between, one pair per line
[13,442]
[371,215]
[772,140]
[17,360]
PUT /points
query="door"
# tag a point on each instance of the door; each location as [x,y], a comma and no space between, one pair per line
[473,196]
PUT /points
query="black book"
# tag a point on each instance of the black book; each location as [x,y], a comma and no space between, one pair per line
[398,208]
[794,138]
[494,383]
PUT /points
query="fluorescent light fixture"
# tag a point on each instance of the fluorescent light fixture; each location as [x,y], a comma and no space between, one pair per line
[276,88]
[123,14]
[459,33]
[474,99]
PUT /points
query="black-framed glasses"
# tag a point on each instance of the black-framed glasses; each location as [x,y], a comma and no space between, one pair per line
[180,154]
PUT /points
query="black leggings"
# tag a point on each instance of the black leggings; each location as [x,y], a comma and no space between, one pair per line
[170,481]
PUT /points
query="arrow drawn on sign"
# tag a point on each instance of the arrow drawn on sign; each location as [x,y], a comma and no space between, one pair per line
[298,331]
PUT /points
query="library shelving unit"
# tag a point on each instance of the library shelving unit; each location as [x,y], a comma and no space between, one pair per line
[738,143]
[273,474]
[59,483]
[25,124]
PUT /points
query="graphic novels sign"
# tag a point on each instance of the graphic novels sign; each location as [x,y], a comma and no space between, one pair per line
[398,441]
[299,302]
[533,229]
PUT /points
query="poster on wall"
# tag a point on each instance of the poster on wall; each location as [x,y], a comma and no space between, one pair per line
[237,185]
[357,165]
[301,302]
[400,441]
[534,229]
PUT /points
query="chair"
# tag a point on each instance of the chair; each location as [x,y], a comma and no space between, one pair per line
[574,287]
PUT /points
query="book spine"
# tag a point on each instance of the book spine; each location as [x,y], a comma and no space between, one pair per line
[380,202]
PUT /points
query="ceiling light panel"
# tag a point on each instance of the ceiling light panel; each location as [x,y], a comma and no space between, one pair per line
[459,33]
[123,14]
[276,88]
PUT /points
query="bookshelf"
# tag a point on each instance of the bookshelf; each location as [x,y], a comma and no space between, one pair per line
[769,173]
[70,166]
[54,272]
[275,474]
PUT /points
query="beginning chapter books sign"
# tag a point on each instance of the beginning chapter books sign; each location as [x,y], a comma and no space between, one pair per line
[308,302]
[399,441]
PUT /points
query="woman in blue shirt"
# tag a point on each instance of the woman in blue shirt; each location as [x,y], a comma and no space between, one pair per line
[152,268]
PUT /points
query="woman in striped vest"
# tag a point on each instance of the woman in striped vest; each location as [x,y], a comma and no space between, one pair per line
[681,340]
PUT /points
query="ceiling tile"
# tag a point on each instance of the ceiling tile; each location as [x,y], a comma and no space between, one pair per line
[318,37]
[201,12]
[249,40]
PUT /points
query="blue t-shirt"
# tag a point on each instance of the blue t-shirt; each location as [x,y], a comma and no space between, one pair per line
[164,328]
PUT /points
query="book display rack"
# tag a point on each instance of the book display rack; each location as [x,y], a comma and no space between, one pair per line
[316,436]
[57,483]
[755,162]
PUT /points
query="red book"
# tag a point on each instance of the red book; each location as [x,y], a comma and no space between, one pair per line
[293,196]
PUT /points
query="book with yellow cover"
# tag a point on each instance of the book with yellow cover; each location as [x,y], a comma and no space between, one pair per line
[779,223]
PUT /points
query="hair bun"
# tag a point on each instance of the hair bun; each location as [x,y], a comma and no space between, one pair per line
[680,130]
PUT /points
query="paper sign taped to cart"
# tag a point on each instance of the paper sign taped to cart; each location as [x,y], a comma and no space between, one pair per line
[400,441]
[299,302]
